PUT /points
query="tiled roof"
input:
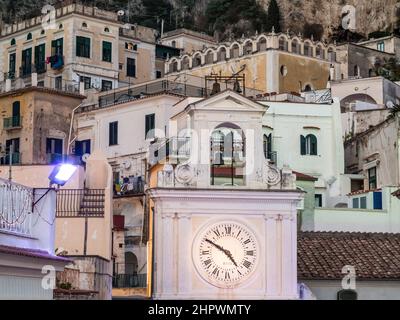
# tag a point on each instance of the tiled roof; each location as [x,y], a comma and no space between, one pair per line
[322,255]
[33,253]
[304,177]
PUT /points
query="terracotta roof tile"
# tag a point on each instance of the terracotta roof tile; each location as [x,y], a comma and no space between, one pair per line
[322,255]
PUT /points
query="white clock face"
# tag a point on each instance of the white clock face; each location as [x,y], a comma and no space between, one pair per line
[225,254]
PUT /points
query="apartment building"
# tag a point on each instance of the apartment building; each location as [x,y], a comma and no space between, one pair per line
[81,44]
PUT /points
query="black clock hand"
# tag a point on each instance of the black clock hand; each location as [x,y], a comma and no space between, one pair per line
[227,252]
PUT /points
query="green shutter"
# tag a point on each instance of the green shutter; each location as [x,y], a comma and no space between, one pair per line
[302,145]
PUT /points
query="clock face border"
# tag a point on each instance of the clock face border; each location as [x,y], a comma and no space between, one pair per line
[203,230]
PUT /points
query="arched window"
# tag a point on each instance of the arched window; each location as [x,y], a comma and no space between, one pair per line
[331,55]
[235,51]
[174,44]
[60,26]
[221,54]
[29,36]
[308,145]
[320,52]
[308,49]
[283,45]
[13,42]
[196,61]
[295,46]
[84,25]
[185,63]
[307,88]
[227,155]
[356,71]
[209,57]
[262,44]
[42,32]
[248,48]
[173,67]
[106,29]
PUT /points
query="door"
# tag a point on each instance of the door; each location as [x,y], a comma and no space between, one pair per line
[16,112]
[26,62]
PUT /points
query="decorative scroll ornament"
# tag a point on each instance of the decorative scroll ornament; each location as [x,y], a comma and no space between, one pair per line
[273,175]
[184,174]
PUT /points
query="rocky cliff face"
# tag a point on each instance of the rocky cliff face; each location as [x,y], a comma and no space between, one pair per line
[371,15]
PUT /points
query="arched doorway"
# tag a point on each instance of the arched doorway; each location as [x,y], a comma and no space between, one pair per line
[131,263]
[227,147]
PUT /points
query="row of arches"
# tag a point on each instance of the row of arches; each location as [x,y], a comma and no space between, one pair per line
[238,49]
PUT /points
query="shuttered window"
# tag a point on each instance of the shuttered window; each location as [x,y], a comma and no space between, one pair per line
[150,126]
[83,47]
[107,51]
[113,133]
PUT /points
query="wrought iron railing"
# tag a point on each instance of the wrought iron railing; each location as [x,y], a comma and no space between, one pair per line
[79,203]
[129,281]
[15,207]
[12,122]
[15,159]
[172,148]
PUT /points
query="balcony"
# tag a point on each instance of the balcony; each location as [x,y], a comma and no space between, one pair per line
[125,276]
[131,186]
[12,123]
[40,67]
[57,62]
[174,149]
[80,203]
[16,218]
[25,72]
[15,159]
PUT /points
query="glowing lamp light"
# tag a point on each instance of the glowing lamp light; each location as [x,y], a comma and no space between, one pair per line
[61,174]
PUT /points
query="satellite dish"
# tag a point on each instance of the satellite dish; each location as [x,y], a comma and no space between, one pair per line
[390,104]
[121,13]
[85,157]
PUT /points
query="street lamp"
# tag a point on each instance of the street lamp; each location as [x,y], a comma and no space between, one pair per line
[61,174]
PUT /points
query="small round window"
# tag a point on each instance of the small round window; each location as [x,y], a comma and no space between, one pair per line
[283,71]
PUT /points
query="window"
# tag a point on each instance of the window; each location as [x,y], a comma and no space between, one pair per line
[60,26]
[318,200]
[107,51]
[54,145]
[58,83]
[13,42]
[363,203]
[158,74]
[57,47]
[84,25]
[149,126]
[267,145]
[356,203]
[40,58]
[87,82]
[106,85]
[106,30]
[83,47]
[29,36]
[113,133]
[377,196]
[356,71]
[380,46]
[308,145]
[11,67]
[372,178]
[130,67]
[12,146]
[82,147]
[27,62]
[173,44]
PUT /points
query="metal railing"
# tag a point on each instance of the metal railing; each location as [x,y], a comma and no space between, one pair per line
[80,203]
[15,159]
[129,280]
[15,207]
[137,92]
[175,147]
[12,122]
[131,186]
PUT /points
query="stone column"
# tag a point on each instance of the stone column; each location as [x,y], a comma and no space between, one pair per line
[288,259]
[168,254]
[271,256]
[184,253]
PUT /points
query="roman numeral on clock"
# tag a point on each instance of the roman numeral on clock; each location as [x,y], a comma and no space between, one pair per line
[227,276]
[247,264]
[247,241]
[216,272]
[250,253]
[216,232]
[207,262]
[228,230]
[205,252]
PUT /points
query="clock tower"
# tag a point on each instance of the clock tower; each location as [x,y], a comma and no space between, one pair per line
[224,225]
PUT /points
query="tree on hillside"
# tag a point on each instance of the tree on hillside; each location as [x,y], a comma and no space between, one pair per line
[273,17]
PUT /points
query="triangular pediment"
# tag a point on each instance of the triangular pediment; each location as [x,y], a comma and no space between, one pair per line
[229,101]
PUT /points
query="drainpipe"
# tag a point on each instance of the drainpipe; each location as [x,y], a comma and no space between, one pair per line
[70,128]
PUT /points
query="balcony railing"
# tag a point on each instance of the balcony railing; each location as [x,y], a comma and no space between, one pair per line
[15,159]
[131,186]
[126,276]
[12,123]
[15,207]
[175,148]
[79,203]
